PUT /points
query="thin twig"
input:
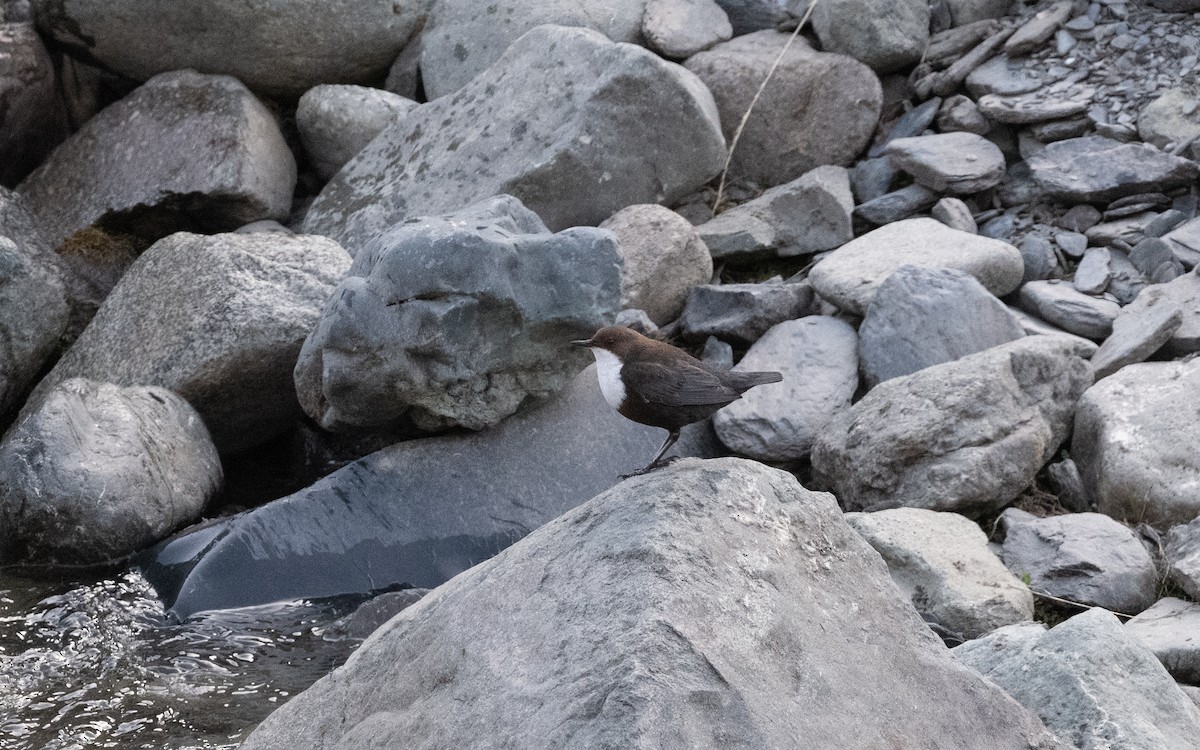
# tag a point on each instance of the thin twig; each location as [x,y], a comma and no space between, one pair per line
[1081,605]
[737,134]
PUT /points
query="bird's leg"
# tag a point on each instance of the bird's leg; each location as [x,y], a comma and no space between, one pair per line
[657,462]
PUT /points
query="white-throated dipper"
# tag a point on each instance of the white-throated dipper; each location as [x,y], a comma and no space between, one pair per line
[660,385]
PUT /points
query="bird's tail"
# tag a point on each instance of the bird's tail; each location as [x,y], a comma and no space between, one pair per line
[747,380]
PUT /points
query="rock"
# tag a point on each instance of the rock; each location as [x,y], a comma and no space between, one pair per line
[1176,6]
[681,28]
[872,178]
[818,357]
[1037,30]
[33,119]
[897,205]
[1156,259]
[887,36]
[638,320]
[674,638]
[1137,334]
[1080,218]
[338,121]
[219,320]
[1067,485]
[1184,292]
[1003,76]
[942,562]
[1181,557]
[1038,327]
[966,436]
[948,81]
[1133,439]
[373,614]
[33,314]
[1127,282]
[1185,242]
[1093,274]
[1067,308]
[184,151]
[807,215]
[1130,230]
[1060,130]
[1169,630]
[313,42]
[1094,168]
[1082,557]
[662,258]
[457,319]
[717,353]
[417,512]
[1039,258]
[1091,682]
[98,471]
[955,214]
[912,123]
[781,142]
[567,154]
[1073,244]
[960,163]
[849,276]
[1029,108]
[922,317]
[963,12]
[743,312]
[961,114]
[1170,119]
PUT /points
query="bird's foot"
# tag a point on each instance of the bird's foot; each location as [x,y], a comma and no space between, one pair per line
[652,467]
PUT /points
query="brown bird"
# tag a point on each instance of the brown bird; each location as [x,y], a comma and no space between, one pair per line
[660,385]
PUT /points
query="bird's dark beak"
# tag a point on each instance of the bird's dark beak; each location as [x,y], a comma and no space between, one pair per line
[582,342]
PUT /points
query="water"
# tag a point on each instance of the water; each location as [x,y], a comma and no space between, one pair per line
[97,664]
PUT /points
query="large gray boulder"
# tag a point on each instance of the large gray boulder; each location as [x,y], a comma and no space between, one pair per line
[219,320]
[958,163]
[819,108]
[887,35]
[457,319]
[743,312]
[1091,681]
[965,436]
[1133,441]
[336,121]
[1169,629]
[184,151]
[1181,557]
[1098,169]
[1183,292]
[713,602]
[33,314]
[99,471]
[540,125]
[33,119]
[279,51]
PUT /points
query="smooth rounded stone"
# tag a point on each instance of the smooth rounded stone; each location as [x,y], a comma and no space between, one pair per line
[98,471]
[1001,75]
[1039,258]
[818,356]
[662,258]
[942,562]
[1032,34]
[783,141]
[1080,218]
[955,214]
[743,312]
[33,119]
[914,122]
[1090,680]
[1134,439]
[1094,168]
[449,501]
[959,163]
[1156,259]
[705,606]
[1171,630]
[897,205]
[1037,327]
[1137,334]
[338,121]
[888,36]
[538,125]
[963,12]
[1171,118]
[961,114]
[966,436]
[1073,244]
[922,317]
[849,276]
[1066,307]
[1026,109]
[1184,292]
[458,319]
[1181,557]
[277,52]
[872,178]
[33,316]
[681,28]
[1082,557]
[184,151]
[1093,274]
[218,319]
[807,215]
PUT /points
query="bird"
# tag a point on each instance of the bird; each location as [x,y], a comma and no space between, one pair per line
[657,384]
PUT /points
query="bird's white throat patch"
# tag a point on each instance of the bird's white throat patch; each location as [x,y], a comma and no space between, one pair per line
[608,372]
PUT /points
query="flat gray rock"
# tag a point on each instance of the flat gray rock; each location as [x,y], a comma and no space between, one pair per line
[184,151]
[1093,274]
[1170,118]
[1185,242]
[748,16]
[922,317]
[457,319]
[98,471]
[1184,292]
[963,12]
[1032,34]
[538,125]
[961,114]
[897,205]
[338,121]
[1068,308]
[1002,76]
[849,276]
[1155,258]
[1098,169]
[959,163]
[1038,327]
[1133,441]
[965,436]
[886,35]
[955,214]
[681,28]
[1027,109]
[33,119]
[818,356]
[1137,334]
[743,312]
[1171,629]
[715,602]
[912,123]
[218,319]
[1091,681]
[942,562]
[1181,557]
[33,315]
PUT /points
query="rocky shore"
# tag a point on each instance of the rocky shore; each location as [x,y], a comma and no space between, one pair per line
[285,304]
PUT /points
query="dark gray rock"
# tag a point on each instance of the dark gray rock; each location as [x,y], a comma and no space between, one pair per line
[887,36]
[1073,244]
[338,121]
[33,312]
[373,614]
[872,178]
[1127,282]
[1181,557]
[1177,6]
[963,12]
[184,151]
[1156,259]
[922,317]
[1094,168]
[1039,258]
[1170,118]
[1068,485]
[914,122]
[1137,333]
[681,28]
[1038,327]
[743,312]
[33,119]
[959,163]
[1169,629]
[457,319]
[955,214]
[98,471]
[1080,218]
[1037,30]
[966,436]
[539,125]
[1185,242]
[1119,232]
[961,114]
[1066,307]
[897,205]
[1093,274]
[1060,130]
[748,16]
[668,553]
[1184,292]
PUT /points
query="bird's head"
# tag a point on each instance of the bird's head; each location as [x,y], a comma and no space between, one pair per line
[616,339]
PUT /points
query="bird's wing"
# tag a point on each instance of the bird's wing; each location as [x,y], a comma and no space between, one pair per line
[678,385]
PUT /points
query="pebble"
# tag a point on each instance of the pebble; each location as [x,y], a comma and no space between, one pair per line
[1093,274]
